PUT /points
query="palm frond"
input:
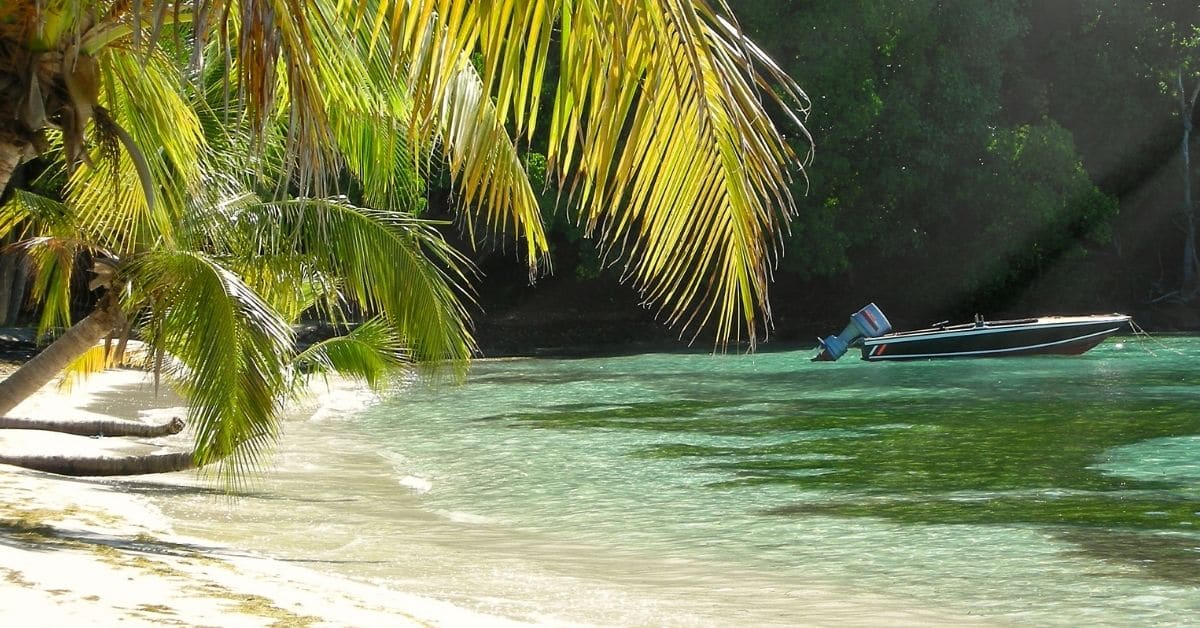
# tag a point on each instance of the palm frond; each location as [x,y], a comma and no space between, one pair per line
[321,74]
[94,360]
[485,165]
[388,262]
[237,156]
[377,154]
[53,262]
[687,172]
[659,112]
[266,256]
[144,97]
[292,284]
[371,352]
[28,213]
[52,254]
[451,107]
[230,352]
[373,143]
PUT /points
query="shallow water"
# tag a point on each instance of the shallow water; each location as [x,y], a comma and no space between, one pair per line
[697,489]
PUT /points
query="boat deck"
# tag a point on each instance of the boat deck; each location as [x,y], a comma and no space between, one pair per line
[999,326]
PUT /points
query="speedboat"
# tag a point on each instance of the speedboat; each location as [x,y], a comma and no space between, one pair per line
[1059,335]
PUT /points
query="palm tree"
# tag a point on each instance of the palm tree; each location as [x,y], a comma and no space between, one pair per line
[657,131]
[255,264]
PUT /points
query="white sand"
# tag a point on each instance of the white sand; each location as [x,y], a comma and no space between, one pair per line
[79,552]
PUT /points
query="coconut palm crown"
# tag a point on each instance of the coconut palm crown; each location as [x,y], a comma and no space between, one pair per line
[214,287]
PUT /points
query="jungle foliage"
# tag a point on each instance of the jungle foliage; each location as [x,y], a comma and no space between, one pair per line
[980,156]
[977,152]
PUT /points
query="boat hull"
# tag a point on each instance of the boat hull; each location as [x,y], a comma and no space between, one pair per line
[1037,336]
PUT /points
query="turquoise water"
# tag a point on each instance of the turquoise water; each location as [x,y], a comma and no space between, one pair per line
[698,489]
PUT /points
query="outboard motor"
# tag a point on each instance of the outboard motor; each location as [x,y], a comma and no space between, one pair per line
[868,322]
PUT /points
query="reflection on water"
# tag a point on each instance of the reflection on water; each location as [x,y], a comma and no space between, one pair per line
[713,489]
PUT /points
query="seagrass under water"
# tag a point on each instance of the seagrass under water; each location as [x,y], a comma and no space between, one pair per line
[668,489]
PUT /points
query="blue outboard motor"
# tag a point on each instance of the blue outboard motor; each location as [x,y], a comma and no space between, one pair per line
[868,322]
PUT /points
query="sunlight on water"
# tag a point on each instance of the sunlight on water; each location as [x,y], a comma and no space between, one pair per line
[677,489]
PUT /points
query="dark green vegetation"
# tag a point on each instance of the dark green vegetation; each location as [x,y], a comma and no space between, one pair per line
[1007,157]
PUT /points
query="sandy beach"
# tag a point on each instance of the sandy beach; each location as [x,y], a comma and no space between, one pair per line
[81,551]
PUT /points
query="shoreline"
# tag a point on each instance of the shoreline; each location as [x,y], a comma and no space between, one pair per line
[101,551]
[88,550]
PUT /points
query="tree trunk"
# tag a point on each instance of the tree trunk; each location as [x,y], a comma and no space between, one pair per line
[99,427]
[104,465]
[19,285]
[8,267]
[1187,107]
[10,158]
[38,371]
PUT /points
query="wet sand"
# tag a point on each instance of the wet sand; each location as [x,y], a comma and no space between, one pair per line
[76,551]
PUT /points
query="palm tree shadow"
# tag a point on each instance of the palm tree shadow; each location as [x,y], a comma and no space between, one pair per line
[164,489]
[129,400]
[30,535]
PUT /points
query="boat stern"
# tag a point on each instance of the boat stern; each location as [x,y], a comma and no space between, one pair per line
[869,322]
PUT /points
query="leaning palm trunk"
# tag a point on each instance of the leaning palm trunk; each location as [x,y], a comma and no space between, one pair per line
[104,465]
[94,427]
[10,158]
[46,365]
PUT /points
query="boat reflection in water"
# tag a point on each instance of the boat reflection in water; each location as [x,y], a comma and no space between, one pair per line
[1059,335]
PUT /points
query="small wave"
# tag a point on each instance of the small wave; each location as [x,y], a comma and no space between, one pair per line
[416,484]
[341,399]
[464,517]
[396,458]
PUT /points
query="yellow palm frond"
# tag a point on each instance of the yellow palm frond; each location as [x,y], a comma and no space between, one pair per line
[94,360]
[486,167]
[145,97]
[658,128]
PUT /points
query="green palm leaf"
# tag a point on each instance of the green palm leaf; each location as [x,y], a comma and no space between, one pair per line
[28,213]
[293,286]
[53,262]
[230,352]
[144,96]
[323,72]
[388,262]
[373,143]
[49,232]
[371,352]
